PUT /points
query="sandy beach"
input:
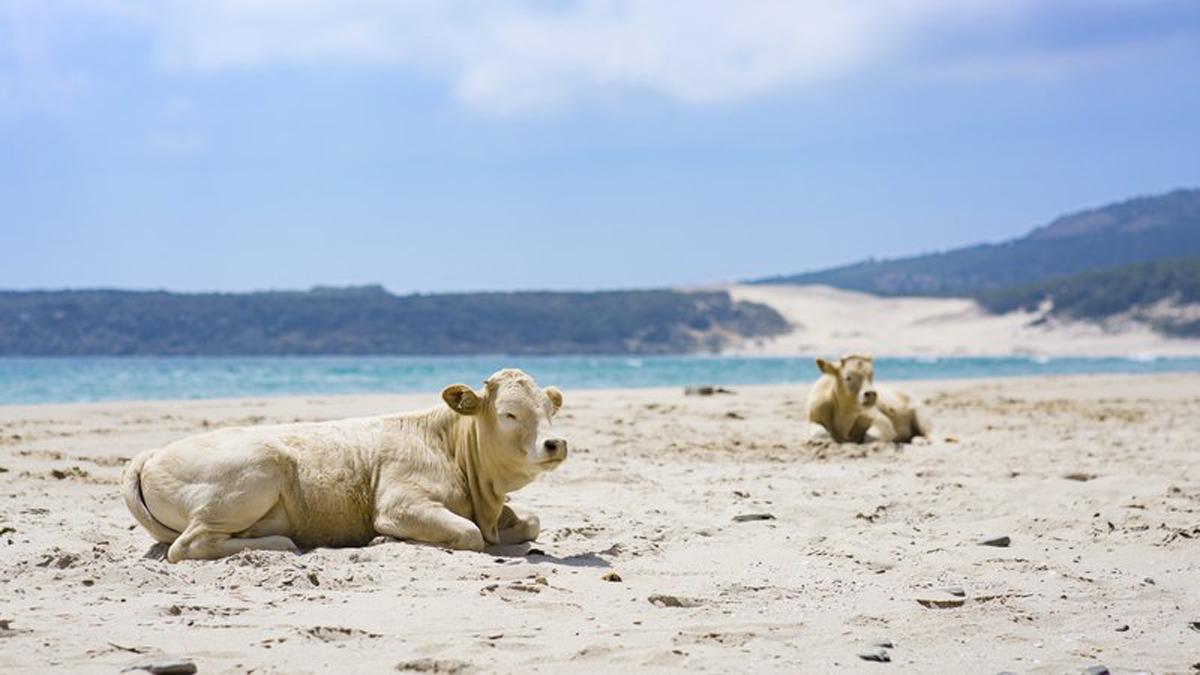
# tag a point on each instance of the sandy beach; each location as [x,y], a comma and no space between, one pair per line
[833,321]
[739,547]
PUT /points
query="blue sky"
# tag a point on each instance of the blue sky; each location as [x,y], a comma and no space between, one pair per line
[467,145]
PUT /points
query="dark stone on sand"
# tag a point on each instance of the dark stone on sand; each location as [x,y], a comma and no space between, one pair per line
[166,667]
[6,629]
[706,390]
[946,602]
[876,655]
[1096,670]
[448,666]
[956,591]
[750,517]
[884,643]
[1123,628]
[1001,541]
[659,600]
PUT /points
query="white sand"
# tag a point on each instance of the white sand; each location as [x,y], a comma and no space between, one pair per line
[1103,570]
[834,321]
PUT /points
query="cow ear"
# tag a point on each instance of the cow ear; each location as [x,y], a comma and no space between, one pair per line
[826,367]
[462,399]
[555,397]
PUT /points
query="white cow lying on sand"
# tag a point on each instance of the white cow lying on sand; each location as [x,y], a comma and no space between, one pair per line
[438,477]
[846,405]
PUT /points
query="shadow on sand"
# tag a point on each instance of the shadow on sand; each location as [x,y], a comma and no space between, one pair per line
[527,551]
[537,556]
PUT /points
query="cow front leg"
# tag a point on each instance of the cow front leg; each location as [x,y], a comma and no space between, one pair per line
[431,525]
[881,430]
[517,526]
[818,433]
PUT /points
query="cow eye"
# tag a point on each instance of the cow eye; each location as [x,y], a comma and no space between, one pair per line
[510,416]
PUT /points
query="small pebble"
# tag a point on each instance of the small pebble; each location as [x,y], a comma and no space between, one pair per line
[611,576]
[660,600]
[1096,670]
[877,655]
[956,591]
[941,603]
[1002,541]
[1123,628]
[172,667]
[885,643]
[749,517]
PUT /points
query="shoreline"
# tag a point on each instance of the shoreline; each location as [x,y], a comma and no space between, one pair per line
[900,370]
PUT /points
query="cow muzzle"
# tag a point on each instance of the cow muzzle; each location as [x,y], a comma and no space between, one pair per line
[554,450]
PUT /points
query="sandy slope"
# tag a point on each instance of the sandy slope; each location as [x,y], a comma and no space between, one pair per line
[833,321]
[651,492]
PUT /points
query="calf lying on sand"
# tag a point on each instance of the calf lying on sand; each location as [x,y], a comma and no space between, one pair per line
[438,477]
[847,406]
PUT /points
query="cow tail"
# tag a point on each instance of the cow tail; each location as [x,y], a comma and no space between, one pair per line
[131,489]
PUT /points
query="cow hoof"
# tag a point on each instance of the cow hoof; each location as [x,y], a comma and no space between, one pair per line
[471,542]
[533,527]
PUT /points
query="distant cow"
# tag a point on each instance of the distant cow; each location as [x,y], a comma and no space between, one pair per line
[438,477]
[847,406]
[897,416]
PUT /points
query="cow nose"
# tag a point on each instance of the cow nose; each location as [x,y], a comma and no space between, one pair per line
[555,445]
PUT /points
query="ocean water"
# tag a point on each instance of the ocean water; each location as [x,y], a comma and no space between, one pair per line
[55,380]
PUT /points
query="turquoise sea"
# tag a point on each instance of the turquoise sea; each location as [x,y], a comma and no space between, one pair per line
[54,380]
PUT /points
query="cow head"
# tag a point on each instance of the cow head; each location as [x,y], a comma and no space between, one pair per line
[512,418]
[855,376]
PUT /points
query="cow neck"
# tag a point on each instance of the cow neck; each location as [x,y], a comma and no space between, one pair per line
[838,421]
[486,500]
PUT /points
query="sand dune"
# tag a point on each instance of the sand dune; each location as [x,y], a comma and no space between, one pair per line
[833,321]
[739,546]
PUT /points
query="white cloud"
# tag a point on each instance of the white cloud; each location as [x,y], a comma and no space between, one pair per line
[512,55]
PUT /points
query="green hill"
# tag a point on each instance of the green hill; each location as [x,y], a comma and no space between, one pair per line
[369,320]
[1137,230]
[1165,294]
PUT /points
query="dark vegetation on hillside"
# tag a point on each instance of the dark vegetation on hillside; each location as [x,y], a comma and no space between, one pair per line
[1137,230]
[369,320]
[1103,294]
